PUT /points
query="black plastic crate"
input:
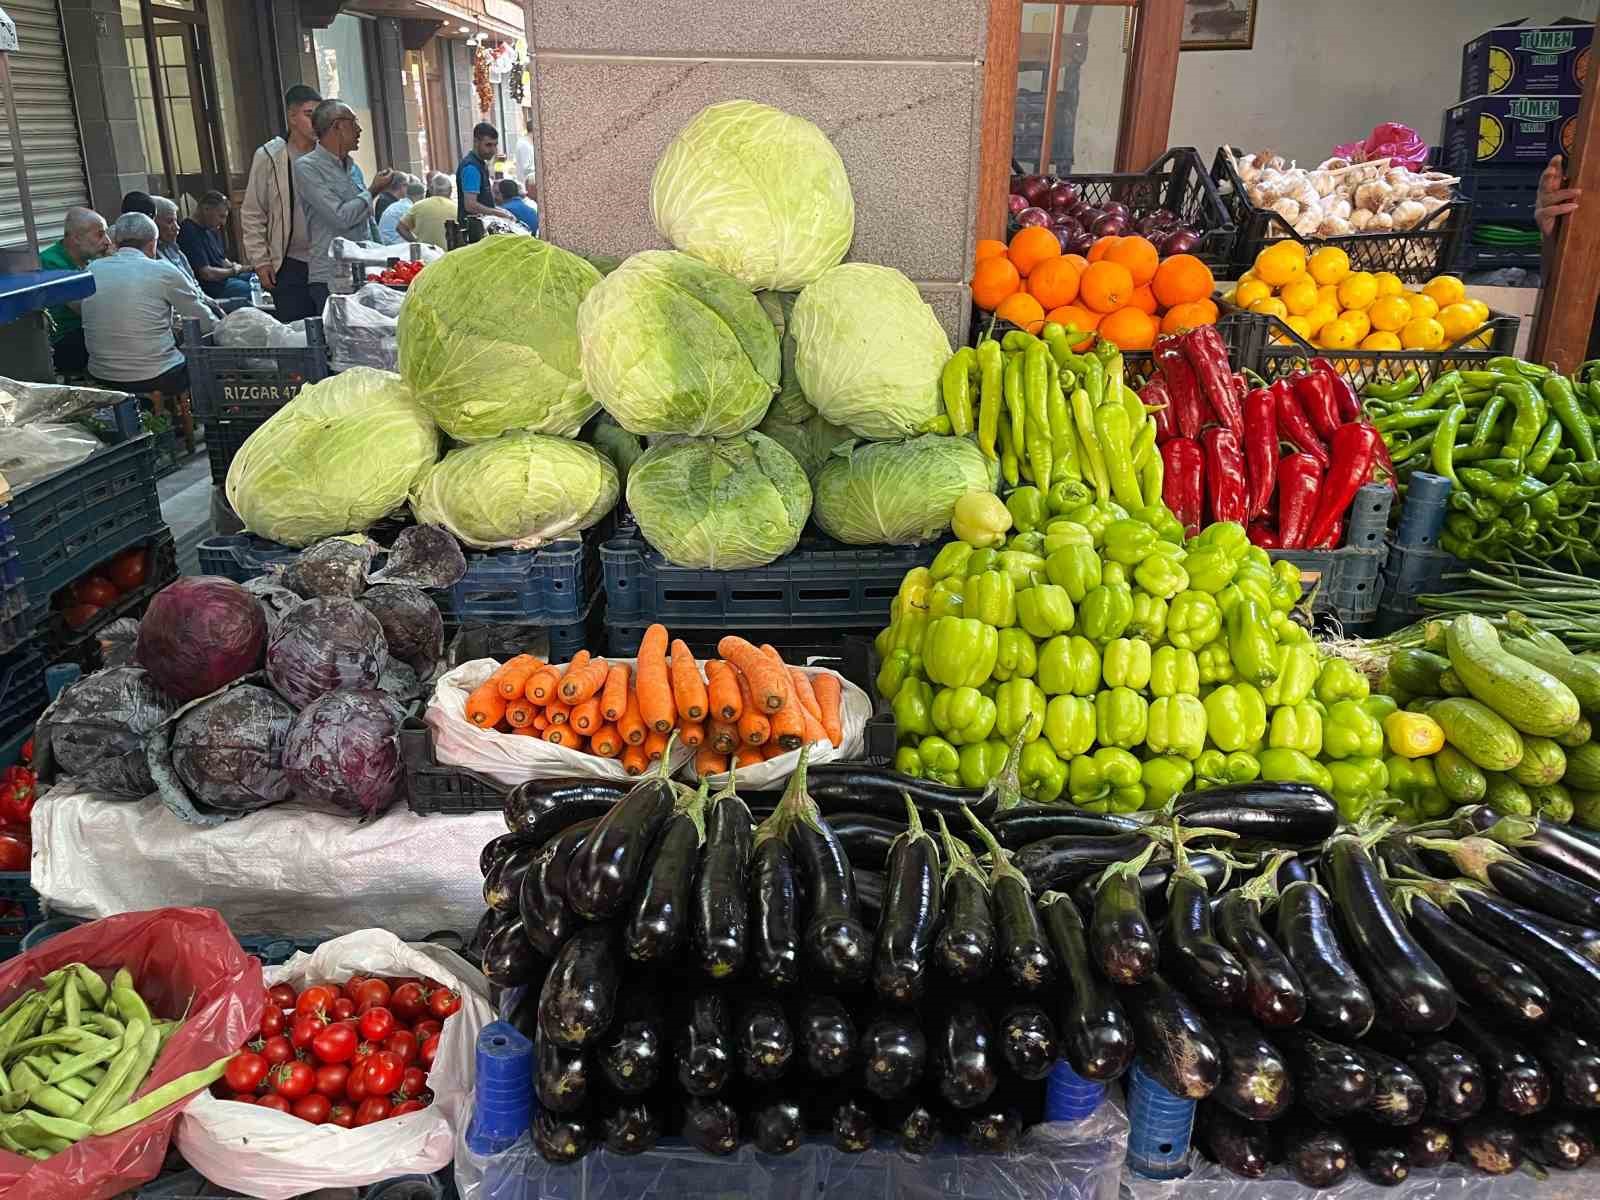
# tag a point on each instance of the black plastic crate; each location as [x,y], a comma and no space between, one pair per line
[1482,256]
[22,689]
[435,787]
[1498,193]
[20,910]
[1415,255]
[1285,351]
[1410,573]
[82,646]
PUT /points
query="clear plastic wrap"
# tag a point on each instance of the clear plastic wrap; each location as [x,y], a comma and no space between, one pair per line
[96,730]
[360,328]
[1209,1181]
[36,452]
[30,403]
[253,329]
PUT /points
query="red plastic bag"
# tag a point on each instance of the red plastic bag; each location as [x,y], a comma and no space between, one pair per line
[179,957]
[1400,144]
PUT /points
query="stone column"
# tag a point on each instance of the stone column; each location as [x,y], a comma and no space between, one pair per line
[102,87]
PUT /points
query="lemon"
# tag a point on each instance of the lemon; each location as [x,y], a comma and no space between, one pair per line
[1299,297]
[1501,69]
[1271,306]
[1422,333]
[1480,310]
[1338,335]
[1249,291]
[1299,324]
[1328,292]
[1328,264]
[1389,283]
[1389,313]
[1457,320]
[1445,290]
[1358,291]
[1491,134]
[1423,305]
[1381,340]
[1357,320]
[1281,263]
[1321,314]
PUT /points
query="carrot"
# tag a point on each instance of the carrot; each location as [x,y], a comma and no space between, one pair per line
[723,737]
[748,756]
[513,677]
[754,729]
[801,683]
[772,749]
[519,713]
[585,717]
[633,760]
[765,676]
[826,686]
[631,726]
[527,731]
[580,660]
[542,684]
[558,712]
[688,690]
[708,762]
[788,722]
[540,721]
[614,696]
[692,734]
[607,742]
[655,745]
[655,693]
[577,686]
[563,735]
[724,702]
[485,707]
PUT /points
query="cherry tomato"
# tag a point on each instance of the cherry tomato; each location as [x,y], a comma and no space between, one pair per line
[413,1081]
[343,1009]
[429,1049]
[403,1107]
[15,852]
[332,1079]
[292,1079]
[277,1050]
[96,589]
[444,1002]
[316,999]
[273,1101]
[272,1021]
[305,1029]
[352,987]
[373,1108]
[426,1029]
[314,1107]
[384,1072]
[281,995]
[404,1043]
[342,1115]
[409,1001]
[377,1024]
[243,1099]
[371,991]
[355,1086]
[245,1072]
[335,1044]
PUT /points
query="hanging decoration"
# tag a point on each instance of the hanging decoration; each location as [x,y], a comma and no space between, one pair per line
[480,80]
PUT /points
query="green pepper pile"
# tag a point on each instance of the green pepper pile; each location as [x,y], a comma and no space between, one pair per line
[1133,665]
[1516,440]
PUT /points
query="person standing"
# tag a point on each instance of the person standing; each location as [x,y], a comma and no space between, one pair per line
[83,239]
[272,223]
[389,223]
[511,200]
[425,222]
[396,191]
[475,181]
[526,154]
[200,239]
[330,190]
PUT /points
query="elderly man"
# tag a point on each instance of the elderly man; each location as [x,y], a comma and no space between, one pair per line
[128,321]
[389,223]
[272,224]
[426,220]
[83,239]
[200,239]
[328,185]
[395,192]
[167,248]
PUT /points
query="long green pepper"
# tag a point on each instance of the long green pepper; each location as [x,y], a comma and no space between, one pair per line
[1036,421]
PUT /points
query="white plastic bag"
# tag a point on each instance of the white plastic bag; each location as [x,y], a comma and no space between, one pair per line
[274,1155]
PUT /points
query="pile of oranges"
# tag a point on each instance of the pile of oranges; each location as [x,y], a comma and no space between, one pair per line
[1123,289]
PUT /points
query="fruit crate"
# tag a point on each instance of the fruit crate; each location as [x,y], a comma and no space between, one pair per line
[1285,351]
[438,788]
[1498,193]
[22,689]
[1410,573]
[82,646]
[1415,255]
[1509,131]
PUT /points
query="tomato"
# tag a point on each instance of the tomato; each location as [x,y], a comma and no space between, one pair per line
[429,1049]
[384,1072]
[80,615]
[426,1029]
[377,1024]
[355,1086]
[342,1115]
[404,1043]
[277,1050]
[314,1108]
[352,987]
[292,1079]
[96,590]
[410,1001]
[313,1000]
[332,1080]
[18,792]
[444,1003]
[281,995]
[403,1107]
[373,1108]
[371,991]
[304,1029]
[127,570]
[245,1071]
[272,1021]
[273,1101]
[335,1044]
[242,1099]
[15,852]
[413,1081]
[343,1009]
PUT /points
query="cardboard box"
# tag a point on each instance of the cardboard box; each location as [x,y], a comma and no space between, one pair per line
[1509,131]
[1521,60]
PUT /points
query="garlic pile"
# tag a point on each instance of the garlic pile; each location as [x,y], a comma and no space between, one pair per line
[1340,197]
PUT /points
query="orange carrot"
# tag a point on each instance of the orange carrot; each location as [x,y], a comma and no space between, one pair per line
[607,742]
[772,749]
[802,689]
[688,690]
[485,707]
[631,726]
[633,760]
[724,700]
[614,696]
[708,762]
[585,717]
[788,722]
[542,684]
[723,737]
[655,692]
[527,731]
[826,686]
[765,676]
[540,721]
[563,735]
[519,713]
[513,677]
[577,686]
[692,734]
[655,745]
[580,660]
[558,712]
[748,756]
[754,729]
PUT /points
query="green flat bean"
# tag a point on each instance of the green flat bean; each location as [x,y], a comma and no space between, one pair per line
[149,1047]
[74,1008]
[41,1095]
[167,1093]
[105,1024]
[94,987]
[61,1127]
[120,1066]
[77,1064]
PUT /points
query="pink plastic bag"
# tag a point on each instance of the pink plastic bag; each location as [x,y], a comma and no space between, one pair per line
[1398,143]
[180,958]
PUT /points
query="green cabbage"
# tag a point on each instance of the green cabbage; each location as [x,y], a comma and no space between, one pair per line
[520,490]
[617,444]
[898,492]
[671,345]
[488,338]
[811,441]
[339,456]
[719,503]
[868,351]
[756,192]
[790,403]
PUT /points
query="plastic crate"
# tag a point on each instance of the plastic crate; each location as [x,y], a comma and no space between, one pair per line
[189,1184]
[274,950]
[1285,352]
[1415,255]
[12,741]
[435,787]
[16,621]
[16,888]
[1498,193]
[1410,573]
[82,646]
[1344,583]
[22,689]
[168,456]
[1481,256]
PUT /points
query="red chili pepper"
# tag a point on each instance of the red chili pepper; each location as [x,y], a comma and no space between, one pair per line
[1225,483]
[1354,453]
[1154,396]
[1189,408]
[1204,349]
[1314,391]
[1261,448]
[1385,466]
[1346,403]
[1299,478]
[1293,425]
[1264,535]
[1183,482]
[1334,539]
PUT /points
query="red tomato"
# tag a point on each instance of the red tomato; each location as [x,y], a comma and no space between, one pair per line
[343,1009]
[373,1108]
[426,1029]
[352,987]
[314,1107]
[281,995]
[332,1080]
[355,1087]
[384,1072]
[371,991]
[18,792]
[317,999]
[409,1001]
[342,1115]
[127,570]
[429,1049]
[404,1043]
[243,1099]
[96,590]
[80,615]
[245,1072]
[403,1107]
[277,1050]
[292,1079]
[444,1002]
[305,1029]
[272,1021]
[335,1044]
[377,1024]
[413,1081]
[273,1101]
[14,853]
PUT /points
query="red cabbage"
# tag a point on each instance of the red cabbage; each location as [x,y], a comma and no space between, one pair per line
[344,749]
[411,623]
[96,730]
[200,633]
[228,749]
[325,645]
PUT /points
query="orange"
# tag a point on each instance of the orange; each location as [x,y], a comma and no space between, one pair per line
[1144,300]
[1102,247]
[1075,316]
[1129,328]
[1181,279]
[1106,287]
[1030,246]
[1187,316]
[993,279]
[1078,261]
[1281,263]
[1053,282]
[1139,255]
[1022,310]
[989,248]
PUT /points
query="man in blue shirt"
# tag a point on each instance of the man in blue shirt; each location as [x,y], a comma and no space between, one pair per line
[200,239]
[512,201]
[474,179]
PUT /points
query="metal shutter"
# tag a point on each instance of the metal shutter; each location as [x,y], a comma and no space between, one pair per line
[43,89]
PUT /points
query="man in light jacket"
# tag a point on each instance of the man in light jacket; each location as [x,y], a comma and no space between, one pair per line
[337,204]
[272,220]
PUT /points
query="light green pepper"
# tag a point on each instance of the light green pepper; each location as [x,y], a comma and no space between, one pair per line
[1193,620]
[940,760]
[1045,610]
[1164,780]
[1250,642]
[1296,727]
[981,762]
[1126,663]
[1216,664]
[1106,612]
[893,673]
[1031,542]
[1286,590]
[1024,569]
[1413,781]
[1339,680]
[992,598]
[1174,672]
[1380,706]
[1128,541]
[1028,509]
[960,651]
[1214,768]
[1284,764]
[1297,674]
[1149,619]
[1159,517]
[1017,655]
[1043,775]
[1065,495]
[949,596]
[1060,534]
[1095,780]
[1020,709]
[1177,725]
[1162,574]
[1214,555]
[1358,785]
[1069,665]
[1069,725]
[980,518]
[963,715]
[1350,731]
[951,560]
[1236,717]
[1096,517]
[1122,717]
[913,709]
[1075,568]
[985,558]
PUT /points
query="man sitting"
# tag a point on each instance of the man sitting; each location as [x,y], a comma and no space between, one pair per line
[83,239]
[426,220]
[389,223]
[200,238]
[511,199]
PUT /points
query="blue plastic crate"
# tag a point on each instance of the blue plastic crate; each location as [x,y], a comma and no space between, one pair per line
[11,743]
[119,421]
[22,690]
[1499,193]
[1410,573]
[1345,582]
[16,888]
[82,646]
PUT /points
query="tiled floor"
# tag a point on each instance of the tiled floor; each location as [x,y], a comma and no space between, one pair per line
[186,505]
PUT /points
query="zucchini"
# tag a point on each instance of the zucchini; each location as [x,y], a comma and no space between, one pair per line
[1543,762]
[1436,633]
[1482,734]
[1417,671]
[1529,697]
[1583,768]
[1579,674]
[1506,796]
[1578,734]
[1450,684]
[1458,778]
[1552,802]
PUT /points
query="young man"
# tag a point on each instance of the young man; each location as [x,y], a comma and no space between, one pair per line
[200,239]
[83,239]
[512,201]
[271,221]
[474,179]
[329,188]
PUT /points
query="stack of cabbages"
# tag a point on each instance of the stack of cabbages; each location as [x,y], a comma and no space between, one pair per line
[291,686]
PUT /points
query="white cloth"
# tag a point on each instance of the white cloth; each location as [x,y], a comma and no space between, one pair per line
[526,156]
[127,323]
[388,234]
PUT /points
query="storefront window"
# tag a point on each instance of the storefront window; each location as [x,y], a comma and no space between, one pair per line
[342,72]
[181,145]
[1069,124]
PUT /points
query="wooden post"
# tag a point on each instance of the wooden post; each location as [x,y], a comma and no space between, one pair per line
[999,115]
[1565,314]
[1148,88]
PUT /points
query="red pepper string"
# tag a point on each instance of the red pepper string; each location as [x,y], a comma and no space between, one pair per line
[1183,482]
[1225,479]
[1354,452]
[1293,425]
[1299,479]
[1260,448]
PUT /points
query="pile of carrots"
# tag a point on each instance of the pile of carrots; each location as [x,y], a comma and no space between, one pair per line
[746,706]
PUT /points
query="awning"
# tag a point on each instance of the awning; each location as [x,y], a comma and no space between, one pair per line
[498,18]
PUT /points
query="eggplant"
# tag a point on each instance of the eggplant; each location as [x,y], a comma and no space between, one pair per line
[766,1043]
[546,919]
[1331,1080]
[1022,952]
[965,1062]
[912,902]
[1574,1063]
[852,1127]
[1456,1085]
[1411,993]
[1318,1156]
[915,1127]
[1096,1035]
[630,1128]
[1559,847]
[893,1053]
[580,993]
[542,808]
[560,1076]
[1293,868]
[964,947]
[566,846]
[1028,1041]
[1482,973]
[502,886]
[488,925]
[775,911]
[657,928]
[855,787]
[993,1129]
[722,889]
[1430,1144]
[828,1036]
[866,837]
[607,866]
[1558,1141]
[869,887]
[509,959]
[1255,1083]
[1154,881]
[711,1125]
[524,1016]
[1270,986]
[1015,827]
[834,942]
[559,1139]
[1585,941]
[1240,1146]
[496,849]
[777,1126]
[1491,1145]
[1337,1002]
[1282,814]
[1059,862]
[1124,944]
[1520,1087]
[1398,1097]
[705,1047]
[1175,1047]
[1540,888]
[631,1054]
[1384,1160]
[1194,957]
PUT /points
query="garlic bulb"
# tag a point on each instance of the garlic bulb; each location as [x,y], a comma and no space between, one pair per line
[1310,221]
[1333,226]
[1381,221]
[1408,213]
[1339,208]
[1287,207]
[1371,196]
[1323,182]
[1361,219]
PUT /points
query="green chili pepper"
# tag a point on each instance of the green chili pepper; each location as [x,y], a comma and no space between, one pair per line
[1063,442]
[1093,457]
[1563,402]
[1010,466]
[991,370]
[1549,441]
[1444,442]
[1529,419]
[956,387]
[1439,391]
[1111,429]
[1397,389]
[1488,419]
[1417,419]
[1036,412]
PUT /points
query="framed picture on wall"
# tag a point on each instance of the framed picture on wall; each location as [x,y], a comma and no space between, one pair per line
[1219,24]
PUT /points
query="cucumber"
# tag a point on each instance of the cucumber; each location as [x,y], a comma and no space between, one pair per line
[1417,671]
[1450,684]
[1552,803]
[1578,734]
[1480,733]
[1579,674]
[1507,797]
[1458,779]
[1583,768]
[1543,762]
[1529,697]
[1435,635]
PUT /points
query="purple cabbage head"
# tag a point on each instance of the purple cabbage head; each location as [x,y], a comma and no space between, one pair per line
[200,633]
[344,749]
[97,728]
[411,623]
[228,749]
[323,646]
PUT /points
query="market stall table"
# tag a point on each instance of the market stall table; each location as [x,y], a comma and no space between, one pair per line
[23,343]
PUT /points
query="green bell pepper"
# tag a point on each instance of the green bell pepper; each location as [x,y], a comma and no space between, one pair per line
[1286,590]
[1236,717]
[1358,785]
[1031,542]
[1097,779]
[991,598]
[1061,533]
[893,673]
[1177,725]
[963,715]
[1020,706]
[1028,508]
[1106,612]
[1296,727]
[1379,707]
[1126,663]
[1069,725]
[1017,656]
[980,762]
[1043,775]
[1250,642]
[949,596]
[1024,569]
[1350,731]
[1122,717]
[1160,518]
[1214,768]
[1297,674]
[951,560]
[940,760]
[980,518]
[1045,610]
[1161,573]
[1288,632]
[1076,568]
[905,631]
[960,651]
[1215,554]
[1128,541]
[1339,680]
[1149,619]
[1095,517]
[1216,664]
[1069,666]
[913,591]
[1174,672]
[1413,781]
[1255,579]
[1284,764]
[1193,620]
[1067,494]
[913,709]
[1164,780]
[1114,574]
[985,558]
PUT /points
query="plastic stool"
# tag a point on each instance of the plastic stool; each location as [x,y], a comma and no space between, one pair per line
[1159,1128]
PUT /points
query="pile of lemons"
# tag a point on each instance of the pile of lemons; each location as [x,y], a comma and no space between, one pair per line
[1327,304]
